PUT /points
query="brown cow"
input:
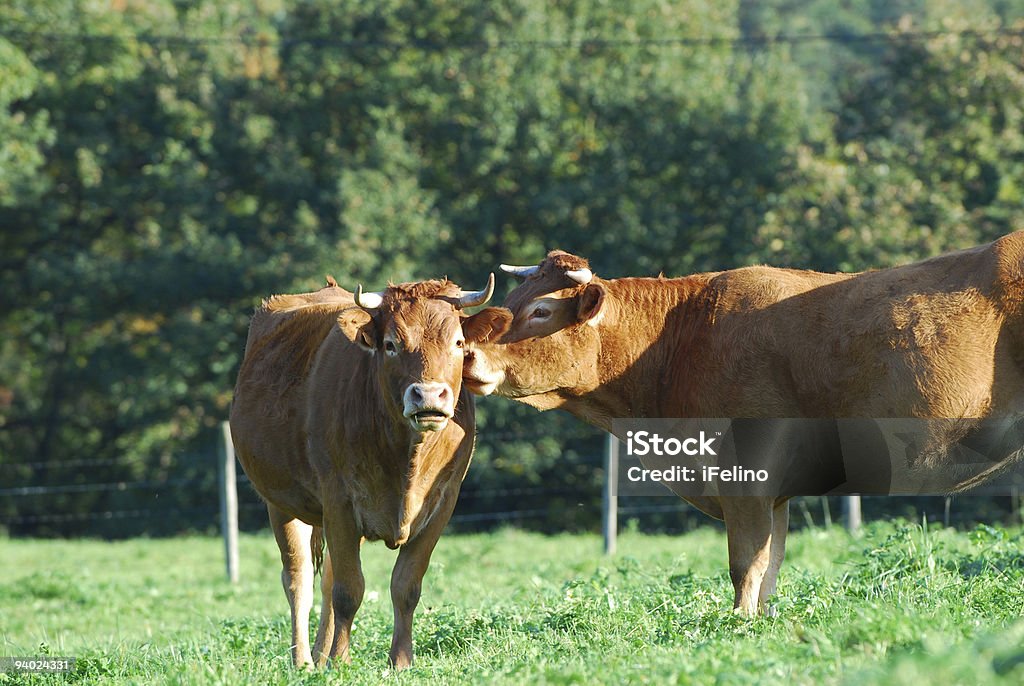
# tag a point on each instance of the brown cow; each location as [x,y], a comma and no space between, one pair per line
[349,414]
[940,338]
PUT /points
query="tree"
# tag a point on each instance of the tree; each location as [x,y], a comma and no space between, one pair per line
[164,165]
[926,156]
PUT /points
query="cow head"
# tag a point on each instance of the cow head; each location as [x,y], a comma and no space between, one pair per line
[415,335]
[552,343]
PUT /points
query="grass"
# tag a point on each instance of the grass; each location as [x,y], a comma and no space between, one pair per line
[897,605]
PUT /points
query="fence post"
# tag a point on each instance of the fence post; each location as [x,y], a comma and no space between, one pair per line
[851,513]
[610,501]
[228,501]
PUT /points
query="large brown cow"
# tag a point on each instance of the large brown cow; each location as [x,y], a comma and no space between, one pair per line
[940,338]
[349,414]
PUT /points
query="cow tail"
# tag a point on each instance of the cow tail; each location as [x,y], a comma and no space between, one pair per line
[316,543]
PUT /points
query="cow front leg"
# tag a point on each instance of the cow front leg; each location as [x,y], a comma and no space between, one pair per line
[347,585]
[780,527]
[748,525]
[292,538]
[407,581]
[325,630]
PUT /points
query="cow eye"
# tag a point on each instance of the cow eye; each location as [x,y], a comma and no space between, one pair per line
[540,313]
[390,348]
[460,343]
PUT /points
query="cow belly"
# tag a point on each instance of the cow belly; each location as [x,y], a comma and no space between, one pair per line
[296,503]
[280,486]
[960,455]
[947,477]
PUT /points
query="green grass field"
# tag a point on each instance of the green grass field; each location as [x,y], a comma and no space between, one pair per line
[896,605]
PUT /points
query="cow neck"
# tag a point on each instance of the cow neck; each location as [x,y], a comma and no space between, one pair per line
[387,431]
[430,451]
[375,423]
[647,334]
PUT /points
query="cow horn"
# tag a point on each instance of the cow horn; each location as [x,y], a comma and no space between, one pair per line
[368,301]
[474,298]
[580,276]
[519,272]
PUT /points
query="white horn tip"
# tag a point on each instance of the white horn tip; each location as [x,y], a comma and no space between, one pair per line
[367,301]
[478,297]
[580,276]
[519,272]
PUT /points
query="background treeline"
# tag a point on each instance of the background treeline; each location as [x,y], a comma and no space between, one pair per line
[165,164]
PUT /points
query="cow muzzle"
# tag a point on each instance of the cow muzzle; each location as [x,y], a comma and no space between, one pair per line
[479,377]
[429,406]
[483,384]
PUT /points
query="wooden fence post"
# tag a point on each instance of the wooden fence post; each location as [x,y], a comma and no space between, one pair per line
[610,501]
[228,502]
[851,513]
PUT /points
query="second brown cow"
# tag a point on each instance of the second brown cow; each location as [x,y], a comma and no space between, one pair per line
[942,338]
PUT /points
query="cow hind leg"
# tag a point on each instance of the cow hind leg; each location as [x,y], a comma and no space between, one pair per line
[292,537]
[780,527]
[407,581]
[748,524]
[347,585]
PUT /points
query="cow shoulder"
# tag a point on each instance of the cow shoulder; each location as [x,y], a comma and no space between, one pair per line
[753,288]
[1009,256]
[285,335]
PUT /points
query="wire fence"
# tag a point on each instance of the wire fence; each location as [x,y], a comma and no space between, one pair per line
[191,500]
[533,503]
[29,505]
[242,481]
[519,504]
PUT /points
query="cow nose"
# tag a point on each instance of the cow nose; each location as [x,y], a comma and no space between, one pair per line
[429,394]
[429,406]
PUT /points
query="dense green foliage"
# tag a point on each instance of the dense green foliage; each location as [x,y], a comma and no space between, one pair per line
[900,605]
[165,164]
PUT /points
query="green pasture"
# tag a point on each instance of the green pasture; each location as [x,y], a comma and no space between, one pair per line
[898,604]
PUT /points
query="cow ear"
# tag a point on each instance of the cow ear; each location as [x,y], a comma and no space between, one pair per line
[488,324]
[358,327]
[590,303]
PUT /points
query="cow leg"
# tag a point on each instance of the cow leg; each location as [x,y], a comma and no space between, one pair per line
[348,584]
[406,583]
[297,578]
[748,525]
[325,631]
[780,527]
